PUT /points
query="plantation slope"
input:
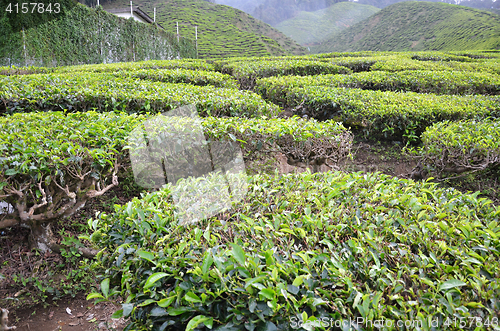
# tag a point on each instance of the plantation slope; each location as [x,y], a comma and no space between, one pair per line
[417,26]
[311,28]
[223,31]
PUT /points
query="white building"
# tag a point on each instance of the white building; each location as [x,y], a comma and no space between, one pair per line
[135,12]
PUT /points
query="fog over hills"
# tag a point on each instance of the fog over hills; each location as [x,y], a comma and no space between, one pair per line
[276,11]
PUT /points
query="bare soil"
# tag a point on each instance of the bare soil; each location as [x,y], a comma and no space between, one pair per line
[71,314]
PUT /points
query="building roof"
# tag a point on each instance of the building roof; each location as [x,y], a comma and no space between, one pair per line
[136,11]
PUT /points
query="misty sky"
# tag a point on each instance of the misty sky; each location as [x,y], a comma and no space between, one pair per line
[245,5]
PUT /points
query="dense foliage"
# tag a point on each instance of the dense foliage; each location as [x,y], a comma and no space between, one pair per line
[296,138]
[187,76]
[419,26]
[296,251]
[305,248]
[106,92]
[456,147]
[248,71]
[84,35]
[191,64]
[222,31]
[420,81]
[390,115]
[51,164]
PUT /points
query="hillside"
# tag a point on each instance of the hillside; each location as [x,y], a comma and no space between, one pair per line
[222,31]
[310,28]
[419,26]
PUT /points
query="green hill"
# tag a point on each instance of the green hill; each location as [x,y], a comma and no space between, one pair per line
[222,31]
[408,26]
[311,28]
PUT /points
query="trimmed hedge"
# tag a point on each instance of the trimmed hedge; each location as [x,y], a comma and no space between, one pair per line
[304,249]
[440,57]
[248,71]
[356,64]
[106,92]
[305,140]
[54,149]
[187,76]
[132,66]
[52,163]
[310,142]
[401,63]
[29,150]
[390,115]
[9,71]
[420,81]
[456,147]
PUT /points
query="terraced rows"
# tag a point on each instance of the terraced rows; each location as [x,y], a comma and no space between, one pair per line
[297,247]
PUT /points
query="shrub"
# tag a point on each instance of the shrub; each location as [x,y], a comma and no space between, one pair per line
[9,71]
[420,81]
[400,63]
[302,249]
[356,64]
[52,163]
[132,66]
[456,147]
[106,92]
[309,142]
[305,140]
[186,76]
[248,71]
[389,115]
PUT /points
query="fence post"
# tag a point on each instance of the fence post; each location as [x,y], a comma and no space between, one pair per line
[24,48]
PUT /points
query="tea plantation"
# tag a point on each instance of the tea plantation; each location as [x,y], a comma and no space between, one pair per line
[333,250]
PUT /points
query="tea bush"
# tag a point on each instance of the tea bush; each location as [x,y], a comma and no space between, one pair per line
[132,66]
[398,63]
[52,163]
[420,81]
[305,250]
[9,71]
[356,64]
[306,140]
[386,115]
[186,76]
[248,71]
[461,146]
[106,92]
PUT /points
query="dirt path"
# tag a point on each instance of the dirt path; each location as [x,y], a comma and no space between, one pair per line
[84,316]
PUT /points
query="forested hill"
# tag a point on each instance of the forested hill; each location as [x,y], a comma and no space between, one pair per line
[311,28]
[276,11]
[222,31]
[416,26]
